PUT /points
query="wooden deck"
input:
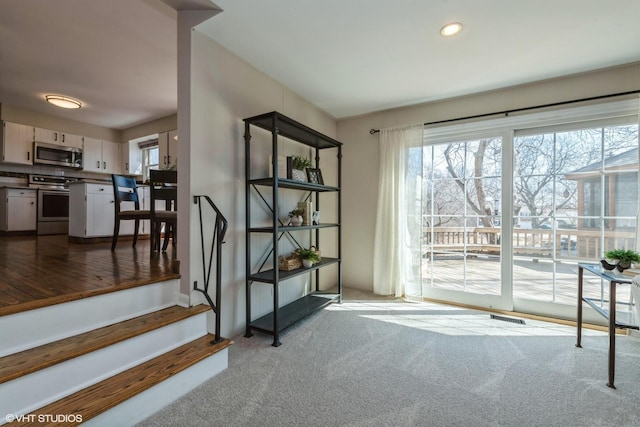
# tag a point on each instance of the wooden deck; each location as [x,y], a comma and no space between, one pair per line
[533,278]
[37,271]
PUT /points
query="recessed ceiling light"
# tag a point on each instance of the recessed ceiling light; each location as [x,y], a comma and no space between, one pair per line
[451,29]
[63,101]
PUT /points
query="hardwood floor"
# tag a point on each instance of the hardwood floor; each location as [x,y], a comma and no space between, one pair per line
[37,271]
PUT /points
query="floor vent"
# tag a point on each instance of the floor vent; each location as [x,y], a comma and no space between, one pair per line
[508,319]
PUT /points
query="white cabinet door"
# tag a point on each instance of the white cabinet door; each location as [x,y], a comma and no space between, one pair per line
[57,137]
[100,211]
[99,206]
[168,148]
[21,210]
[101,156]
[172,142]
[17,143]
[131,159]
[110,157]
[92,155]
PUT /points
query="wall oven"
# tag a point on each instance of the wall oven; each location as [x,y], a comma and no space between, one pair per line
[57,155]
[53,203]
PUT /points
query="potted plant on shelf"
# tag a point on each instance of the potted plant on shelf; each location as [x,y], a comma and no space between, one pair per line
[295,217]
[620,259]
[308,256]
[298,166]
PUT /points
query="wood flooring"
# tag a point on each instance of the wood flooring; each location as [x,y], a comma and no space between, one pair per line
[37,271]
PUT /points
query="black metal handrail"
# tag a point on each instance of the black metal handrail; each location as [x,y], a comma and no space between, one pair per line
[217,239]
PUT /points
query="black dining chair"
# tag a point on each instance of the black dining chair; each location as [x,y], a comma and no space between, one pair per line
[126,190]
[163,188]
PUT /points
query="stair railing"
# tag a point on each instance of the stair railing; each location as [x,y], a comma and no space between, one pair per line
[217,239]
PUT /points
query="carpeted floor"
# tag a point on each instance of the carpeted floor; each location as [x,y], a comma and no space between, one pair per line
[389,363]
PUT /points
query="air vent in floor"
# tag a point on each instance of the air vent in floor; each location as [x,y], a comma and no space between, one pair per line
[508,319]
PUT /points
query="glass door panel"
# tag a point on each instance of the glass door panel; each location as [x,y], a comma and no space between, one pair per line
[575,197]
[461,219]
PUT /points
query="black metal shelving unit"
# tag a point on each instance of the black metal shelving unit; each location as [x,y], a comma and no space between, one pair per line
[281,318]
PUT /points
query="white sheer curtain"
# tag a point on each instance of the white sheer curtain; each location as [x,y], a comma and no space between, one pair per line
[392,252]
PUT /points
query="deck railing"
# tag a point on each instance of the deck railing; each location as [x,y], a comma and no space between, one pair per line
[566,243]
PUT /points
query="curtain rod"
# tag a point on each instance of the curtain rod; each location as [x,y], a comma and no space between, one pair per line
[517,110]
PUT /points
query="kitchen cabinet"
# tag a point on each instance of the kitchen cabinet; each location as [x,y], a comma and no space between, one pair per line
[17,143]
[18,209]
[92,213]
[131,159]
[58,137]
[100,156]
[168,148]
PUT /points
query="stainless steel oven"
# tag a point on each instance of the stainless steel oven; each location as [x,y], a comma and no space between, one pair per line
[53,203]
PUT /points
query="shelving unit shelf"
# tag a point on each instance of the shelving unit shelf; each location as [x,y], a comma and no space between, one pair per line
[269,189]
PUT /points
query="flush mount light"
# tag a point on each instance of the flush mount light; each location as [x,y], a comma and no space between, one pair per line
[451,29]
[63,101]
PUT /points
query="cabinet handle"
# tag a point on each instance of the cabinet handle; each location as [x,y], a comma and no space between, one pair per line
[33,203]
[55,136]
[165,160]
[101,189]
[63,137]
[104,165]
[126,166]
[168,160]
[28,155]
[98,164]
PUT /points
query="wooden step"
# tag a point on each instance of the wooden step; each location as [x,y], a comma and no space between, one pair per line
[32,360]
[106,394]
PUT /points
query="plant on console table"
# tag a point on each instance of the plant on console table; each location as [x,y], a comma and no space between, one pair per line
[308,256]
[298,166]
[620,259]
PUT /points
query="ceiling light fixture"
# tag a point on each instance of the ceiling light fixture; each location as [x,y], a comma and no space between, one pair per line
[451,29]
[63,101]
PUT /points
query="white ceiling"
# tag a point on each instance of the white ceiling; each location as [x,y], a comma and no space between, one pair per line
[348,57]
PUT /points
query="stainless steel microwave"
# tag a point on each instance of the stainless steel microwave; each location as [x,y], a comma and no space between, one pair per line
[57,155]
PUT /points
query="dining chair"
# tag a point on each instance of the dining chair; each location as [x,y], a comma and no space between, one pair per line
[163,188]
[126,190]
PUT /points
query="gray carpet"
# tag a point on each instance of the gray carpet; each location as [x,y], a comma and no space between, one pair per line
[400,364]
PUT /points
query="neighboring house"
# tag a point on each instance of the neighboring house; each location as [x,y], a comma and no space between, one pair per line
[620,187]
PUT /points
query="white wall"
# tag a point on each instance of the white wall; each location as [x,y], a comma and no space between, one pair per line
[225,90]
[361,158]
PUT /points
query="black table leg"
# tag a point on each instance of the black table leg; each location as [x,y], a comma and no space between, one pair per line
[612,333]
[579,322]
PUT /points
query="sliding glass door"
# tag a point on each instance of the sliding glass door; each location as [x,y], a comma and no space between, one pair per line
[575,197]
[461,186]
[571,194]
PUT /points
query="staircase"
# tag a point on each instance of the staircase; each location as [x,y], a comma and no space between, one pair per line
[110,359]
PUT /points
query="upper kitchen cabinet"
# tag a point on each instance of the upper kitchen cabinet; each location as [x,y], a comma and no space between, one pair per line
[57,137]
[101,156]
[131,159]
[17,143]
[168,146]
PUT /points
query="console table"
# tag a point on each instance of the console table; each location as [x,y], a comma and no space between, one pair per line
[613,279]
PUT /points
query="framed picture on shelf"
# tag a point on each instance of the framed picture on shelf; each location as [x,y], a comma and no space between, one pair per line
[314,176]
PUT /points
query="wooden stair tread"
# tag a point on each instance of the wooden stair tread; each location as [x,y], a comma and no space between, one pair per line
[25,362]
[106,394]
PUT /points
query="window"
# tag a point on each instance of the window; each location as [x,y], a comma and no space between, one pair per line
[150,159]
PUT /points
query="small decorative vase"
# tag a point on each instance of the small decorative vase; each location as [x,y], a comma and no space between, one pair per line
[307,263]
[296,221]
[623,265]
[298,175]
[609,264]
